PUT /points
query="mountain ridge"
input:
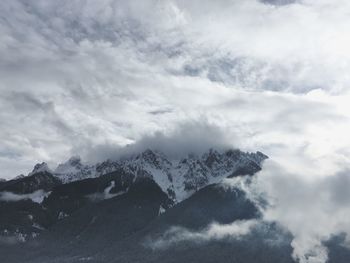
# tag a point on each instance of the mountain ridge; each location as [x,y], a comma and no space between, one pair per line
[177,177]
[47,196]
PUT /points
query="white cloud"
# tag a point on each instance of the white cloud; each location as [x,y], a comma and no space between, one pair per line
[236,230]
[313,208]
[81,74]
[37,196]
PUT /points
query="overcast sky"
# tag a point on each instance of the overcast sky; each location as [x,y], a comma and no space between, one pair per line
[78,76]
[86,77]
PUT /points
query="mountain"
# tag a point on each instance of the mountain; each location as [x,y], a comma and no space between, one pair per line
[145,207]
[41,180]
[125,229]
[30,204]
[179,178]
[130,228]
[21,214]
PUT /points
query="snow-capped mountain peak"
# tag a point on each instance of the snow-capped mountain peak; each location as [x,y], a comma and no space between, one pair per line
[40,168]
[74,170]
[153,158]
[72,165]
[179,177]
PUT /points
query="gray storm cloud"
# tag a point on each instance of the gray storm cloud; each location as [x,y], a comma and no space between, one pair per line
[189,137]
[89,78]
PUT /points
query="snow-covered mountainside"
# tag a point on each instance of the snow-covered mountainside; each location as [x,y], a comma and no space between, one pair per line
[178,178]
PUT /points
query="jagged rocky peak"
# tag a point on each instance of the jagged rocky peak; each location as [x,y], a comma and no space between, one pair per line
[154,158]
[20,176]
[73,169]
[212,157]
[260,156]
[180,175]
[75,161]
[40,168]
[107,166]
[72,163]
[41,178]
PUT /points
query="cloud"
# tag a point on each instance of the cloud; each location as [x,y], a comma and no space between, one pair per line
[83,75]
[279,2]
[37,196]
[312,208]
[236,230]
[187,137]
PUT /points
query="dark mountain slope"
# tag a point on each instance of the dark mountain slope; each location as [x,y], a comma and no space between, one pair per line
[68,198]
[39,181]
[126,227]
[120,229]
[212,203]
[97,225]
